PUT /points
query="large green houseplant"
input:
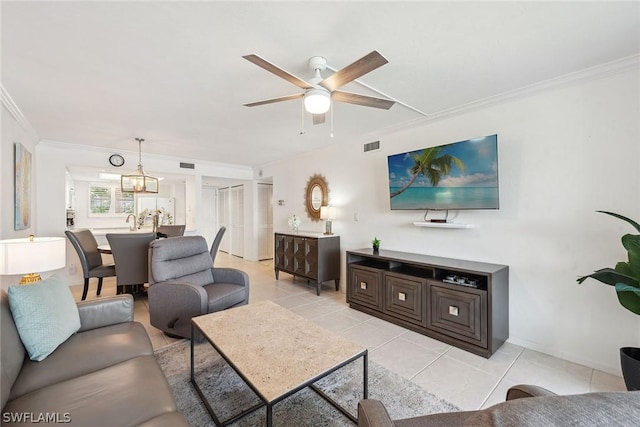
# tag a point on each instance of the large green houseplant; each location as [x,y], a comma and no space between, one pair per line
[625,277]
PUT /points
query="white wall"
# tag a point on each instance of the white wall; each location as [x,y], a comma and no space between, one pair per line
[563,154]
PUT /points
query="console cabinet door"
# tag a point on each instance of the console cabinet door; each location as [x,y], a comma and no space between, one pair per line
[406,297]
[305,258]
[311,258]
[288,253]
[278,254]
[458,312]
[365,286]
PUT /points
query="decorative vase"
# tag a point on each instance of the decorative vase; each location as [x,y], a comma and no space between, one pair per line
[376,249]
[630,363]
[294,223]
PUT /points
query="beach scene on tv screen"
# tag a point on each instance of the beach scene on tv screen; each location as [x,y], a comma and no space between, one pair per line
[460,175]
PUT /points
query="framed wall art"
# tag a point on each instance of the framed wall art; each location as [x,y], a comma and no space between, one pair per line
[22,187]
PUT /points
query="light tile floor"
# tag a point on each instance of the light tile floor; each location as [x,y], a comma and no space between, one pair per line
[462,378]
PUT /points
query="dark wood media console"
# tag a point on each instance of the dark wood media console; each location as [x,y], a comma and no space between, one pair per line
[462,303]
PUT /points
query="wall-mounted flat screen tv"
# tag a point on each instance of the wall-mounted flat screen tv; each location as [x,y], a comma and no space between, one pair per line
[460,175]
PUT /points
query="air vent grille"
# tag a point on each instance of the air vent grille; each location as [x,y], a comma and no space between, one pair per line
[187,165]
[375,145]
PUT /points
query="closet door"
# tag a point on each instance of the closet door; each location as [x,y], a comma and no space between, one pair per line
[265,221]
[209,213]
[223,201]
[236,210]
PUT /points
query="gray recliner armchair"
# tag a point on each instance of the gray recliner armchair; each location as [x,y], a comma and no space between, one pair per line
[526,406]
[183,284]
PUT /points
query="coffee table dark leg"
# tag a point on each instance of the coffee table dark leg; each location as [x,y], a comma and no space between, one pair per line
[192,368]
[365,375]
[365,387]
[269,415]
[215,419]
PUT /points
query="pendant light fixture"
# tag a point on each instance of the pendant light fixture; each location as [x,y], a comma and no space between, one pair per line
[139,182]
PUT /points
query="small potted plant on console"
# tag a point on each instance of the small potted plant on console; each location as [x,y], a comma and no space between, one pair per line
[376,245]
[625,277]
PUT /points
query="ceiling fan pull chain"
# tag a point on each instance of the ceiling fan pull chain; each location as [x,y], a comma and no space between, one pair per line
[302,131]
[331,118]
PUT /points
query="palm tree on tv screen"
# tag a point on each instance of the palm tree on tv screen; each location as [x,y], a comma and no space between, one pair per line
[431,164]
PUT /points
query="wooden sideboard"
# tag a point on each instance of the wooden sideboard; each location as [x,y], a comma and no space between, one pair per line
[315,257]
[462,303]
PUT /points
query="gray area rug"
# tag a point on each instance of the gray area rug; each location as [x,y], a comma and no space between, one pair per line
[229,395]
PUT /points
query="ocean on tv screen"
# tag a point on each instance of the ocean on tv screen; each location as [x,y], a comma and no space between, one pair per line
[446,198]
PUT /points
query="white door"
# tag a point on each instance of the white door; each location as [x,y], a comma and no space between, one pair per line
[209,213]
[223,200]
[265,221]
[236,211]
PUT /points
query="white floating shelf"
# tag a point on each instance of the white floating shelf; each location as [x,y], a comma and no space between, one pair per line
[442,224]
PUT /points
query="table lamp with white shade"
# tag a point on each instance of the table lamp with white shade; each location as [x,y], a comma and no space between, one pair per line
[327,213]
[30,256]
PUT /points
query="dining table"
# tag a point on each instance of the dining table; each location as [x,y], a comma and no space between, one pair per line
[104,249]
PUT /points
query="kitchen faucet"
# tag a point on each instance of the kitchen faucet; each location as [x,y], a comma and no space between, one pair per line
[132,226]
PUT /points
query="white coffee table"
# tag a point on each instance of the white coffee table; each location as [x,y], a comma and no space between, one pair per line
[276,352]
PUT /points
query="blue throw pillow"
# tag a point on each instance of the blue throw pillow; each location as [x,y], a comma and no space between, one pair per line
[45,315]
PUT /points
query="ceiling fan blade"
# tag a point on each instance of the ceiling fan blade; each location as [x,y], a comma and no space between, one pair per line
[271,101]
[367,101]
[277,71]
[351,72]
[318,119]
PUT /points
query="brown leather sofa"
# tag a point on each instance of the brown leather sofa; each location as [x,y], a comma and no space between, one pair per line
[103,375]
[526,406]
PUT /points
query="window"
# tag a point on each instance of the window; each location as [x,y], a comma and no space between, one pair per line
[109,200]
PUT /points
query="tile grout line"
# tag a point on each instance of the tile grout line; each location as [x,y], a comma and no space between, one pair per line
[429,364]
[501,378]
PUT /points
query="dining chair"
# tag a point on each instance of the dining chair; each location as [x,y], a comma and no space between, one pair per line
[171,230]
[86,246]
[216,243]
[131,255]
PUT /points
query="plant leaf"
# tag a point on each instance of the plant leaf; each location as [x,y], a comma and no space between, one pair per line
[631,243]
[624,218]
[610,277]
[629,297]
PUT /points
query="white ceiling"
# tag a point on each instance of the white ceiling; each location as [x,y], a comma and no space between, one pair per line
[102,73]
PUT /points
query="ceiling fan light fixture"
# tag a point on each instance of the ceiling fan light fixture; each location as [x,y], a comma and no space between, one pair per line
[317,101]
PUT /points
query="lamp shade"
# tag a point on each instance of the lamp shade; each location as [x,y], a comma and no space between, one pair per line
[327,212]
[317,101]
[23,256]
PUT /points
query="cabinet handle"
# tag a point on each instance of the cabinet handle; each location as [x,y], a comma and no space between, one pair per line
[363,285]
[402,296]
[453,310]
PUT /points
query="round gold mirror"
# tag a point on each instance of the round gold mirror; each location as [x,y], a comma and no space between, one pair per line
[316,196]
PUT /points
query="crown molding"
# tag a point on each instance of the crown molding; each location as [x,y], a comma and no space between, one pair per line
[150,156]
[17,114]
[607,69]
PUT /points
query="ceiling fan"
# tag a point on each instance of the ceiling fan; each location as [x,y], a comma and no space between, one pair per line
[319,92]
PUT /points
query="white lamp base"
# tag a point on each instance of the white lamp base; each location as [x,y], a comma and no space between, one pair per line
[327,228]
